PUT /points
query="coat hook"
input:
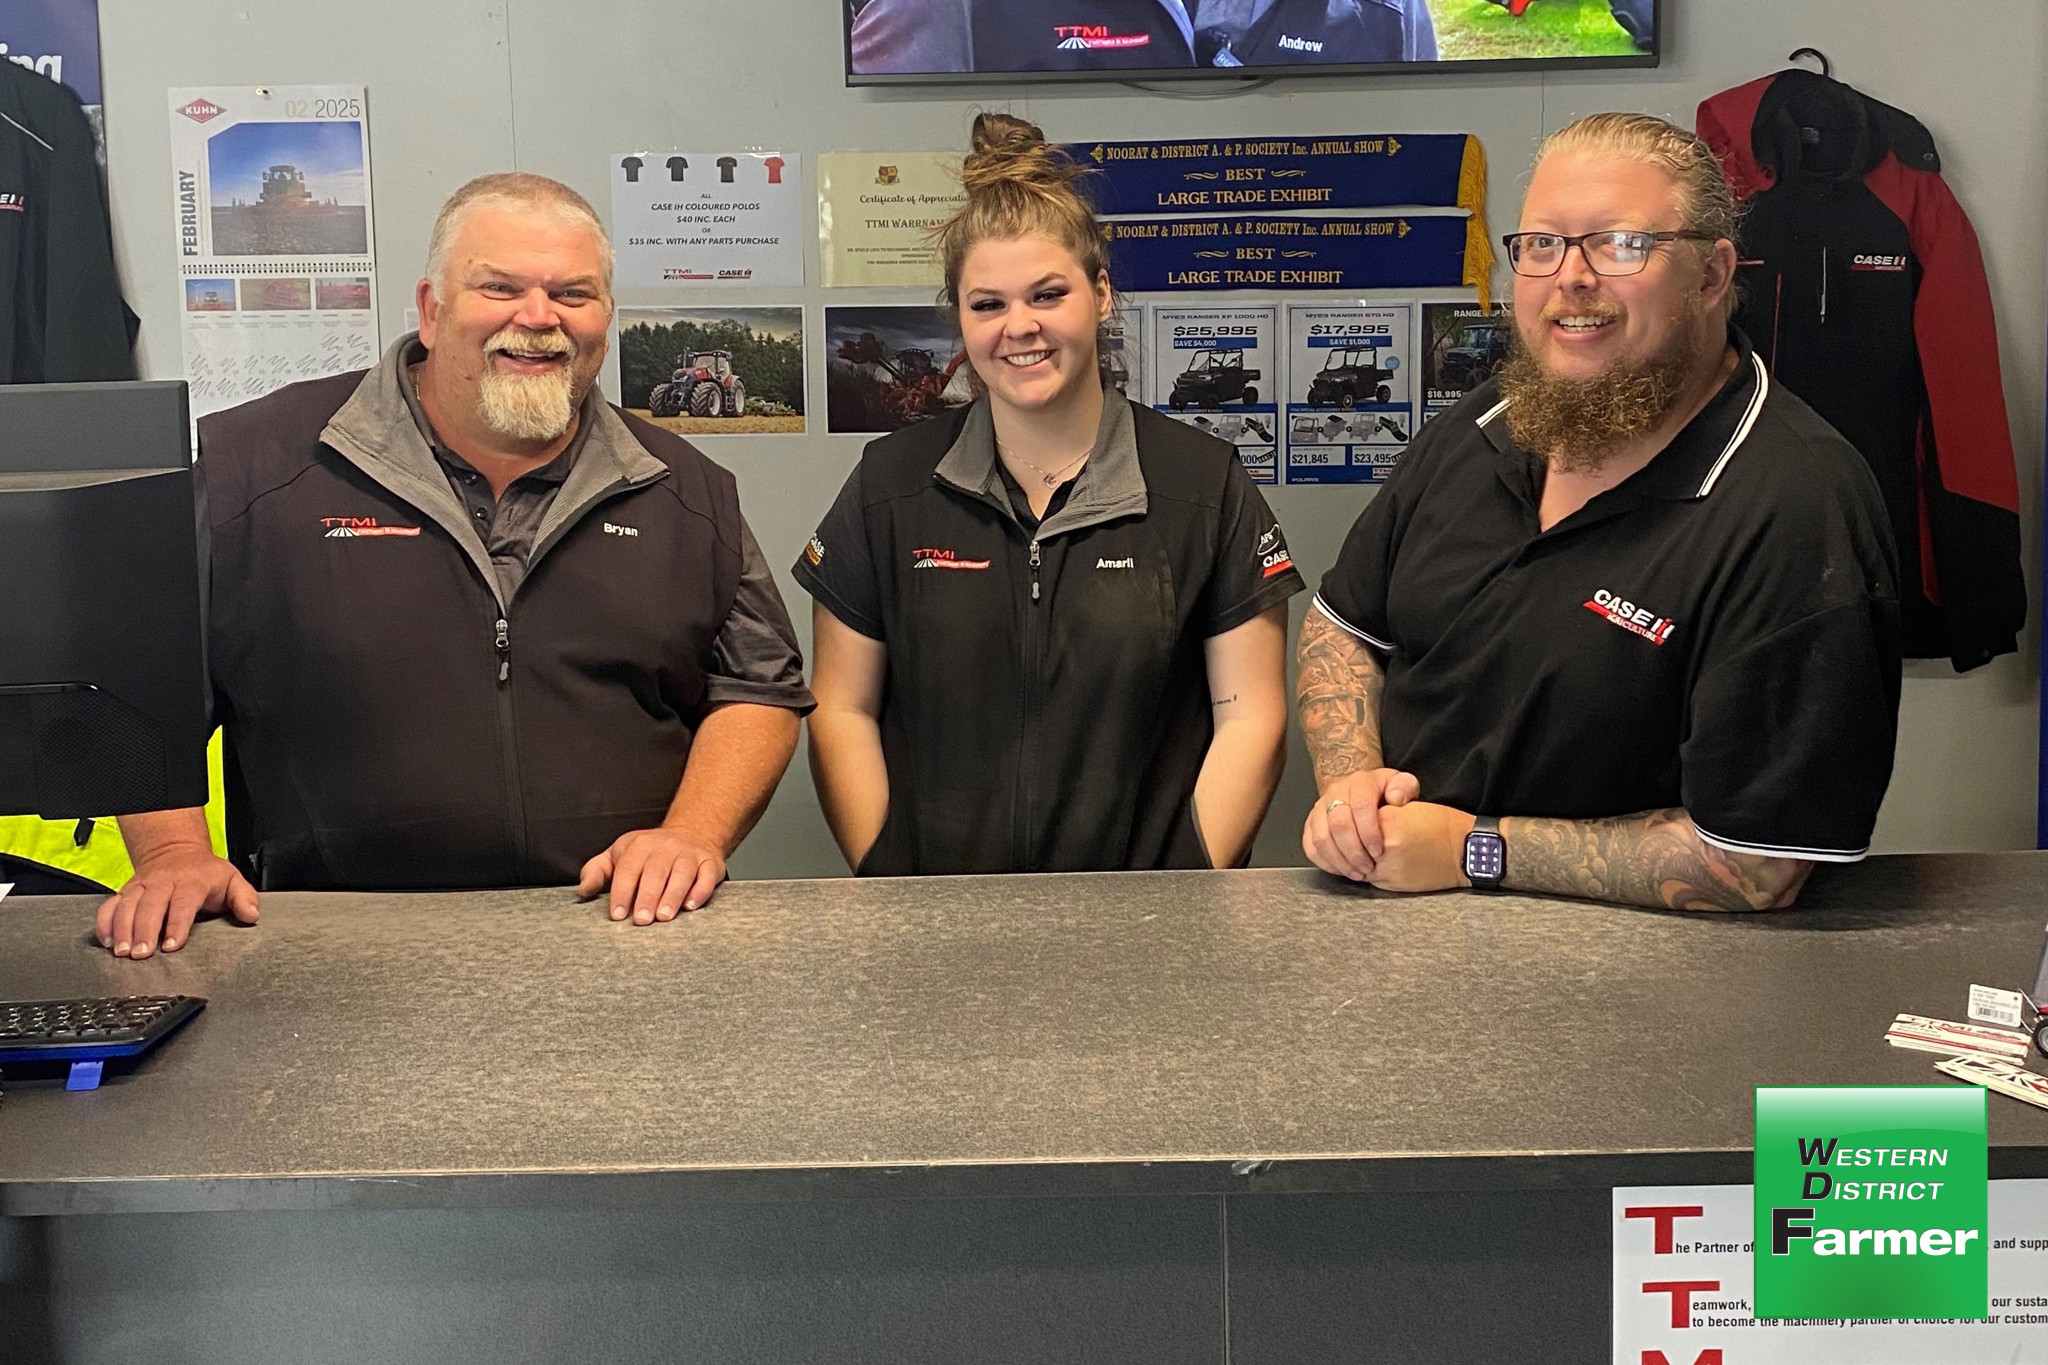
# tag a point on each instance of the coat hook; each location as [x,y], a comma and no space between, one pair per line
[1826,67]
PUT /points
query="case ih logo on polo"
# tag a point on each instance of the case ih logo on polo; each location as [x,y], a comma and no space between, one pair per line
[202,111]
[354,528]
[1089,37]
[1894,264]
[943,559]
[1273,556]
[13,203]
[1630,617]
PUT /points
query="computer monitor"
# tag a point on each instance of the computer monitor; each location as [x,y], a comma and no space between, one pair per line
[103,692]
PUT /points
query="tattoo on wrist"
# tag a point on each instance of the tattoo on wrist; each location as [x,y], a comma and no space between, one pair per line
[1224,701]
[1655,859]
[1338,687]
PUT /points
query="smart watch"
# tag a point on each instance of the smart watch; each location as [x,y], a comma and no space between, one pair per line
[1486,854]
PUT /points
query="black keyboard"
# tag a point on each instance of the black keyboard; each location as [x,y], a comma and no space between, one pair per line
[83,1030]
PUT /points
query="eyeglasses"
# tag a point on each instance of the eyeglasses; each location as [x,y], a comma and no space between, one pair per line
[1618,251]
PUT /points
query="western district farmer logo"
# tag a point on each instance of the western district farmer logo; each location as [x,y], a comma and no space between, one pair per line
[1870,1203]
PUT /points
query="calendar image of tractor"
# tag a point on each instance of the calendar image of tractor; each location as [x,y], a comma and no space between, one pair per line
[288,189]
[714,371]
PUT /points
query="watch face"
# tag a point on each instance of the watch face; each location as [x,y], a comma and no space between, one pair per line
[1485,857]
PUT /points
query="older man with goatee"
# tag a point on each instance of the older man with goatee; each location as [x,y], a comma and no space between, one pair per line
[470,625]
[1624,624]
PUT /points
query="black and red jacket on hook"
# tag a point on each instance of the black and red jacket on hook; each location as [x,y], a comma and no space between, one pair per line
[1864,290]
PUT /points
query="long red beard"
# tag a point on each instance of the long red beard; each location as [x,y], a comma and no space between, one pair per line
[1577,425]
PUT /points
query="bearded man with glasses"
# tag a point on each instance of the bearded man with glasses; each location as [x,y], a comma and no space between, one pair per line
[1624,624]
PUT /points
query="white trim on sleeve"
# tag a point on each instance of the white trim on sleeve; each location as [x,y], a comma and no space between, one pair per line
[1811,855]
[1335,619]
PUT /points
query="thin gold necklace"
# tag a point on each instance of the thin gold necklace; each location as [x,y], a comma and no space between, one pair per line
[1051,477]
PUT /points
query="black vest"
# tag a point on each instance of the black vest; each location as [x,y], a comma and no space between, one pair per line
[380,734]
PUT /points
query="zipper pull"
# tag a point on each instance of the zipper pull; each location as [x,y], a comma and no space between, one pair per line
[1034,571]
[504,646]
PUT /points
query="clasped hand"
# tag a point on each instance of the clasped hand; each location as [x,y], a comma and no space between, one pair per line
[1372,827]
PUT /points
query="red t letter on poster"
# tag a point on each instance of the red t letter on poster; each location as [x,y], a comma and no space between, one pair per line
[1681,1292]
[1666,1215]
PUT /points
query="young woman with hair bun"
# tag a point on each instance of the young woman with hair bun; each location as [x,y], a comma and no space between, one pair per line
[1050,627]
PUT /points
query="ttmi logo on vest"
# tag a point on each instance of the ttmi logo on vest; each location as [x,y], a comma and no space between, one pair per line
[355,528]
[930,558]
[1293,44]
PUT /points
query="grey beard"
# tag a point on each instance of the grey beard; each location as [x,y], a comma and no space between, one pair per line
[1578,425]
[527,407]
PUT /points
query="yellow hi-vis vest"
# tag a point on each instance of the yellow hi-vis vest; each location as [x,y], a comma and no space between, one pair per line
[101,856]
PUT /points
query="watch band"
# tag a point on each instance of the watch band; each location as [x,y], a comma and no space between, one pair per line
[1486,854]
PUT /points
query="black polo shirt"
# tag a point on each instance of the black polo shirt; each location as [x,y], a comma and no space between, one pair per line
[1048,705]
[1718,632]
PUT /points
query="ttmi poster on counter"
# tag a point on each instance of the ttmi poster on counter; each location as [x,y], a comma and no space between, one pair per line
[1350,401]
[1684,1290]
[1217,369]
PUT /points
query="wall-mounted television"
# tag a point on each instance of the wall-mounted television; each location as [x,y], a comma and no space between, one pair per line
[912,41]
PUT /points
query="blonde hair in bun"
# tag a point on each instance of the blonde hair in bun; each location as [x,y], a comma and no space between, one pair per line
[1018,186]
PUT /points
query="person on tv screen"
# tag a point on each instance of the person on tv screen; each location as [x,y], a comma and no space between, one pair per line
[916,37]
[1624,624]
[1051,626]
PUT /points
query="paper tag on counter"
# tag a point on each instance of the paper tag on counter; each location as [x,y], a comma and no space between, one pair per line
[1990,1005]
[2003,1077]
[1922,1034]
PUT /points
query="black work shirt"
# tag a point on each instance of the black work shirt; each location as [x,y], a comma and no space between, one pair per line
[1720,631]
[1047,706]
[755,658]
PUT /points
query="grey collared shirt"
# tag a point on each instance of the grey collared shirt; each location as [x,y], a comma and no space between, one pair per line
[754,659]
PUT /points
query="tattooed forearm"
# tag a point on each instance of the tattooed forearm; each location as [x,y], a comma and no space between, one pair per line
[1655,859]
[1338,688]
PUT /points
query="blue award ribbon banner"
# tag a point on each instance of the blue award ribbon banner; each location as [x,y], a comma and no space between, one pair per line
[1303,176]
[1280,174]
[1287,253]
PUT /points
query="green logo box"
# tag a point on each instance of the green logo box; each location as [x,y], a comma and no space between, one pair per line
[1870,1202]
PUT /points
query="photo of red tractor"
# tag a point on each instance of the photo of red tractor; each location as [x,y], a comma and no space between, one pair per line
[703,385]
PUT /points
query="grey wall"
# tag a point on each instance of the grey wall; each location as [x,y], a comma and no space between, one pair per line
[456,89]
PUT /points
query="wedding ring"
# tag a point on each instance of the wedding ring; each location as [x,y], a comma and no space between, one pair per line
[1335,804]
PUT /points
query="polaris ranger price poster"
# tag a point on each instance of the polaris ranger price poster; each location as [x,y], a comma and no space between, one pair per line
[1462,345]
[683,219]
[1350,400]
[274,237]
[1217,369]
[1683,1281]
